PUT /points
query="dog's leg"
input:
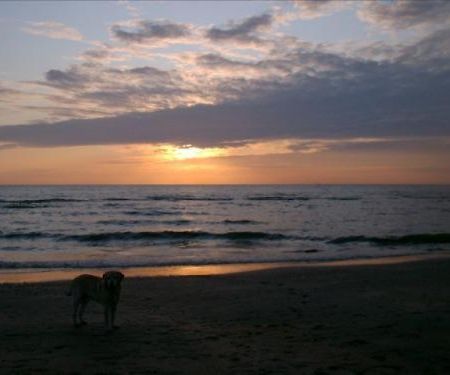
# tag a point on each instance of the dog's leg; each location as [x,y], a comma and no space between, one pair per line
[107,312]
[83,304]
[76,304]
[113,315]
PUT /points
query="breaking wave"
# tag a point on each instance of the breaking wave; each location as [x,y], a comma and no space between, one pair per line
[175,235]
[176,198]
[156,235]
[277,198]
[412,239]
[240,222]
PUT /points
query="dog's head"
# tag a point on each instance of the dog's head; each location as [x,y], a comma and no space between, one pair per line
[112,279]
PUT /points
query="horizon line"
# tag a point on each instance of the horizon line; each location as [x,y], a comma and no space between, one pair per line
[234,184]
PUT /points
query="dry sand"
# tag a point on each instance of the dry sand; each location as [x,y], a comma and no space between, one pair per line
[390,319]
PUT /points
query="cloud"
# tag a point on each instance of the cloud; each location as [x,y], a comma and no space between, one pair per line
[14,96]
[96,54]
[69,78]
[244,31]
[151,31]
[215,96]
[93,89]
[147,71]
[54,30]
[310,9]
[7,146]
[238,72]
[359,99]
[6,94]
[132,10]
[305,93]
[405,14]
[430,52]
[388,15]
[106,53]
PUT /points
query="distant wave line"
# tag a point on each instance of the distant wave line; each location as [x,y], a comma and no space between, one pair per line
[175,235]
[169,198]
[148,235]
[412,239]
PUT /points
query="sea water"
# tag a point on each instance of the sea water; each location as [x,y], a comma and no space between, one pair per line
[128,226]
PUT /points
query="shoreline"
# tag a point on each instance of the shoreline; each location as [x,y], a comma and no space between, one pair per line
[30,275]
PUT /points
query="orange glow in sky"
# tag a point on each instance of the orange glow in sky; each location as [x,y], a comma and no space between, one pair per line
[278,162]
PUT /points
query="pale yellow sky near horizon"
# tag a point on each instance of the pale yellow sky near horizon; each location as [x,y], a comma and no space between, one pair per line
[141,164]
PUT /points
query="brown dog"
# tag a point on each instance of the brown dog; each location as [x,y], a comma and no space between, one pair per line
[105,290]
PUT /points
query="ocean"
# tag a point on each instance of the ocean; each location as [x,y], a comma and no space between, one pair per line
[53,227]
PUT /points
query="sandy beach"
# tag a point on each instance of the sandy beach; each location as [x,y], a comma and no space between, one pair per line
[366,319]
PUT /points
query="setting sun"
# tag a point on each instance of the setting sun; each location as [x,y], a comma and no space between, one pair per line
[190,152]
[187,152]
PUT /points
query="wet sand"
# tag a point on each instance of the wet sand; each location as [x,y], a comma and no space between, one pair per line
[364,319]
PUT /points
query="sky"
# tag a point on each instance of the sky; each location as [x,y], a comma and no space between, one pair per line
[231,92]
